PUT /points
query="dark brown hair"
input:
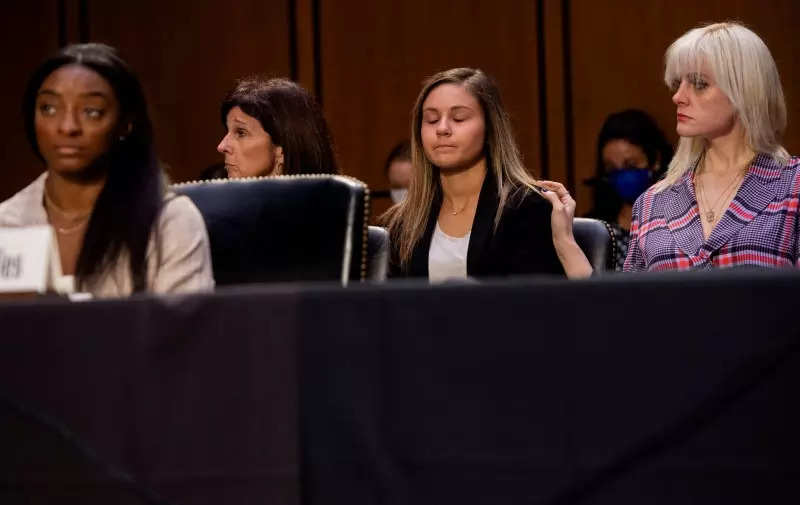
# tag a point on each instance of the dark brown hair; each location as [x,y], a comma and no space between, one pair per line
[291,117]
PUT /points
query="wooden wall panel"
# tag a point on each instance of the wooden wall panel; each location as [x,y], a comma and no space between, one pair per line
[617,57]
[376,54]
[30,30]
[372,58]
[304,40]
[188,54]
[556,91]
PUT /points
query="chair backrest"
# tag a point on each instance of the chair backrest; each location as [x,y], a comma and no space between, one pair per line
[596,239]
[377,253]
[284,228]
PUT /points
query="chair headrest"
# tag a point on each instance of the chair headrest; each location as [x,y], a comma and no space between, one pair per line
[284,228]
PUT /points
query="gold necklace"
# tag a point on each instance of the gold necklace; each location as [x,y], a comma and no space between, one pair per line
[79,219]
[70,216]
[71,229]
[710,212]
[455,212]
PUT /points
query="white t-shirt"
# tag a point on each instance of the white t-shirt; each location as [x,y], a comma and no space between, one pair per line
[447,257]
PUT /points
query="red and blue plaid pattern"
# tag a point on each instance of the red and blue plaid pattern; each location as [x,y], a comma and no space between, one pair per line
[760,227]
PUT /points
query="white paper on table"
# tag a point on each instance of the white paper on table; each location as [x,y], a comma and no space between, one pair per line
[29,260]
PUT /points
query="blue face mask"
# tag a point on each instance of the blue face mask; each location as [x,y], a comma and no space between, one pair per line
[630,182]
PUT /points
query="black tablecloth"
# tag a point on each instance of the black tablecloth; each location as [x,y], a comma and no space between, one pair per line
[196,398]
[624,389]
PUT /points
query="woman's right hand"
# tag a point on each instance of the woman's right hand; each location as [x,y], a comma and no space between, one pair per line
[563,209]
[572,258]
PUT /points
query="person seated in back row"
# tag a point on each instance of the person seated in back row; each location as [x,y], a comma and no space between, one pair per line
[473,210]
[274,127]
[398,170]
[632,154]
[118,230]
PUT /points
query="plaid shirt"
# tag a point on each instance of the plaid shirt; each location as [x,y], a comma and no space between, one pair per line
[760,227]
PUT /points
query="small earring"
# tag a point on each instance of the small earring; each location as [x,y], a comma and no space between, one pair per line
[122,138]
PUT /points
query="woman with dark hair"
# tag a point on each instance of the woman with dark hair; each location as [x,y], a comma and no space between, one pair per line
[632,153]
[274,127]
[118,230]
[472,209]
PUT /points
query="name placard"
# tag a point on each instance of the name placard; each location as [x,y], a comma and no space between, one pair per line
[29,260]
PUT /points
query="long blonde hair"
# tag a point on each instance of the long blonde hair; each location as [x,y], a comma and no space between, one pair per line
[746,73]
[408,219]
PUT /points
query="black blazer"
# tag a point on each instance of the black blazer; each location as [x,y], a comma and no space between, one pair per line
[522,244]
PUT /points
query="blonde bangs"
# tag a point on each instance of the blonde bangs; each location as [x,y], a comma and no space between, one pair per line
[742,67]
[685,56]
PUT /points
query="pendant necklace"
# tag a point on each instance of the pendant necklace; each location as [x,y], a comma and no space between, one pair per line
[709,213]
[455,212]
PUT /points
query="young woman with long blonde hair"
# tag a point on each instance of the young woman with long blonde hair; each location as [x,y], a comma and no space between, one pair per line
[473,210]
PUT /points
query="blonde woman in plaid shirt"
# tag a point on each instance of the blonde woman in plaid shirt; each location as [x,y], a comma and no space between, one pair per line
[730,196]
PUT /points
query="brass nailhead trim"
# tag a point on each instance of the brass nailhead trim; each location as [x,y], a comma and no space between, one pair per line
[365,232]
[611,264]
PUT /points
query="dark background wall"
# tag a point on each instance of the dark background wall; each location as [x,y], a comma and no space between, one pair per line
[562,65]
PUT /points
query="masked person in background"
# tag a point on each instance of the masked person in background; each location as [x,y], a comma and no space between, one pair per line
[632,153]
[398,170]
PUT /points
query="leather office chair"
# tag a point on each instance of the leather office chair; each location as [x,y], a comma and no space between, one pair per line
[596,239]
[377,253]
[284,228]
